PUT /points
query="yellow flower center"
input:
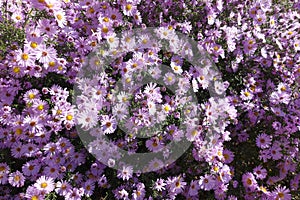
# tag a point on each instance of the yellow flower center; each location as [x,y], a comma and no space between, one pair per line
[111,39]
[105,19]
[34,197]
[59,16]
[167,108]
[105,29]
[25,56]
[52,63]
[128,80]
[16,70]
[194,132]
[44,185]
[33,45]
[40,107]
[69,117]
[249,181]
[216,48]
[17,178]
[31,96]
[19,131]
[144,41]
[128,7]
[247,94]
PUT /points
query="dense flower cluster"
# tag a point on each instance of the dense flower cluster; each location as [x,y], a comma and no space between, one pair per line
[45,44]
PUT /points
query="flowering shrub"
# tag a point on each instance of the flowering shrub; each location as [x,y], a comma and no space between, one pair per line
[243,143]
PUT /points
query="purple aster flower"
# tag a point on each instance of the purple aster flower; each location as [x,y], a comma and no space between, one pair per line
[109,124]
[125,173]
[159,185]
[282,193]
[207,182]
[25,58]
[16,179]
[263,141]
[249,181]
[260,172]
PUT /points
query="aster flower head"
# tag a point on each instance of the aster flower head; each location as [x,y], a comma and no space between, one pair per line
[25,58]
[260,172]
[169,78]
[282,193]
[125,173]
[207,182]
[109,124]
[176,184]
[16,179]
[45,184]
[263,141]
[249,181]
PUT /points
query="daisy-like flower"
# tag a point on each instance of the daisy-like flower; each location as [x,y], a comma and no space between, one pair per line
[25,58]
[62,187]
[45,184]
[89,187]
[177,69]
[123,97]
[194,188]
[165,32]
[155,164]
[31,168]
[120,111]
[260,172]
[109,124]
[263,141]
[31,95]
[193,133]
[246,94]
[154,144]
[169,78]
[60,18]
[281,193]
[249,181]
[87,119]
[121,194]
[48,27]
[128,9]
[33,123]
[16,179]
[46,55]
[18,17]
[155,72]
[159,185]
[75,194]
[125,173]
[228,156]
[33,193]
[176,184]
[207,182]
